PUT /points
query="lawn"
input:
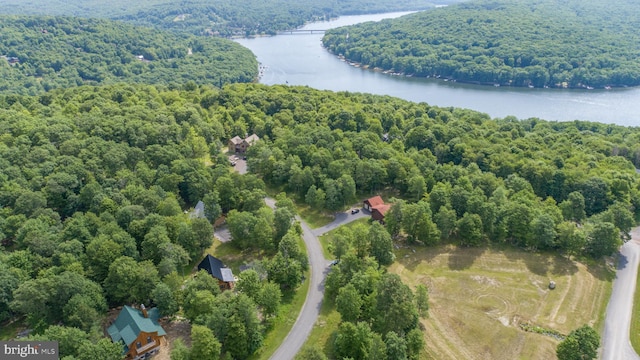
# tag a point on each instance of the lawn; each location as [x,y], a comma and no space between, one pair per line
[479,298]
[287,316]
[326,325]
[313,217]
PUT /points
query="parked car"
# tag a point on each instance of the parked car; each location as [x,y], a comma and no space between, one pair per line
[334,262]
[233,163]
[355,211]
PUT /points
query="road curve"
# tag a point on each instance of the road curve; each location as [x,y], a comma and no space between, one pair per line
[615,340]
[311,308]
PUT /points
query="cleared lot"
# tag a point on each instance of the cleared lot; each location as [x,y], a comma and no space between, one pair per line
[480,297]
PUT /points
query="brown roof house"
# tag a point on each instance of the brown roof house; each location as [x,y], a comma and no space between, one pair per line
[138,331]
[216,268]
[239,145]
[377,208]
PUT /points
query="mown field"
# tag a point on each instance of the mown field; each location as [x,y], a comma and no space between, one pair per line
[480,297]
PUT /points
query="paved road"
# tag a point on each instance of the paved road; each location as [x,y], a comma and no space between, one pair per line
[341,219]
[311,309]
[615,340]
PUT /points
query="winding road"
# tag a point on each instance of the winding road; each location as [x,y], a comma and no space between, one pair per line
[615,339]
[318,267]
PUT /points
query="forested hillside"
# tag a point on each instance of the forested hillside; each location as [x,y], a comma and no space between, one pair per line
[43,53]
[520,43]
[224,17]
[94,181]
[251,17]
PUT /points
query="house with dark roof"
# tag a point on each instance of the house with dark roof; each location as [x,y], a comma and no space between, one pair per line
[138,331]
[377,208]
[218,270]
[239,145]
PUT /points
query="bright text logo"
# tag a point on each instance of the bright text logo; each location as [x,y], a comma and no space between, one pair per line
[32,350]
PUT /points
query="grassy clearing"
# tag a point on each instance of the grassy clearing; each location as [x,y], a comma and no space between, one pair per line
[635,320]
[479,298]
[314,217]
[326,239]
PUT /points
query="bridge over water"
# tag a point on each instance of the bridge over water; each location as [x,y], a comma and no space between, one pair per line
[300,31]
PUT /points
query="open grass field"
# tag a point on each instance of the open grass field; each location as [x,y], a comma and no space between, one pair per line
[479,298]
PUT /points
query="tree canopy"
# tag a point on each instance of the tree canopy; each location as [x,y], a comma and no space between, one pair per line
[573,43]
[225,17]
[42,53]
[94,181]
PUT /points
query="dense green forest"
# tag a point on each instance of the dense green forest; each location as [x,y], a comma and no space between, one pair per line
[43,53]
[94,182]
[251,17]
[226,17]
[520,43]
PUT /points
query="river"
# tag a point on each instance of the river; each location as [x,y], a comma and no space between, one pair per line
[300,59]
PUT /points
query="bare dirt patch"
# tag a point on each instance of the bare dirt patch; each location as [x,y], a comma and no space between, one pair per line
[478,298]
[177,329]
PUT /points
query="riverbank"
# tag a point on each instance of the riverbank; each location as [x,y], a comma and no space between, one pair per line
[301,60]
[391,72]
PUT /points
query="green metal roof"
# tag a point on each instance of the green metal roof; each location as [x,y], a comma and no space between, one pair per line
[130,323]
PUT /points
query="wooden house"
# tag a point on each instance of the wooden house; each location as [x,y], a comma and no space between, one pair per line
[138,331]
[377,208]
[378,212]
[370,203]
[216,268]
[235,144]
[239,145]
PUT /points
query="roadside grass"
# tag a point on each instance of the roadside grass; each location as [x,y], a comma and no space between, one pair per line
[480,296]
[282,324]
[279,327]
[313,217]
[325,327]
[634,334]
[327,239]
